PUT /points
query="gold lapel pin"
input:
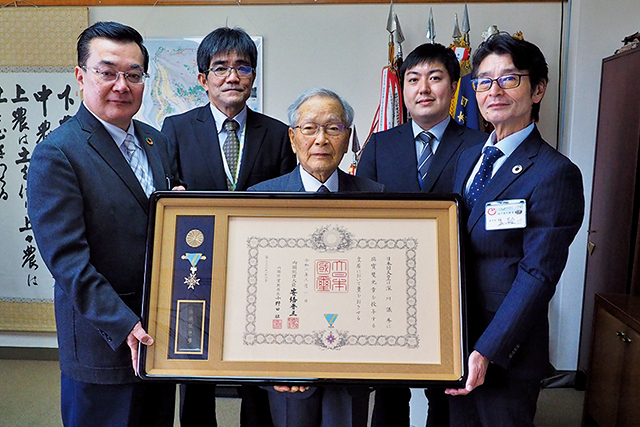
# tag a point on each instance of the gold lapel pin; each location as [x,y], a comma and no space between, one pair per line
[517,169]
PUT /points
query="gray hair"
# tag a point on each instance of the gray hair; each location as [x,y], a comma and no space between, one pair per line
[294,116]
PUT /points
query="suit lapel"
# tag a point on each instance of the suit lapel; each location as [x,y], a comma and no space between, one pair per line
[451,140]
[294,181]
[404,156]
[153,157]
[254,136]
[207,142]
[106,147]
[513,169]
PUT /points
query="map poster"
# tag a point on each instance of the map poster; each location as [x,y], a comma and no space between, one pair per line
[304,287]
[173,87]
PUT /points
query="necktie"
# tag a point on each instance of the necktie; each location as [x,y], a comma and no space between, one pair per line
[231,150]
[482,178]
[137,160]
[323,189]
[425,156]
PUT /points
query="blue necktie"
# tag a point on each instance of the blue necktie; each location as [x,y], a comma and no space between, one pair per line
[139,164]
[482,178]
[425,156]
[323,189]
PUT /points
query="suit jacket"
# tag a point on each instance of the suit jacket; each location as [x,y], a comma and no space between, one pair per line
[193,136]
[390,158]
[512,274]
[293,182]
[306,409]
[89,217]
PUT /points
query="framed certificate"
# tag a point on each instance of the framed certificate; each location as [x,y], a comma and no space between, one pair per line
[299,287]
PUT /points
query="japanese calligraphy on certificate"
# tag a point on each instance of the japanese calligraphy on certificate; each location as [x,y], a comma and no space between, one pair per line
[332,290]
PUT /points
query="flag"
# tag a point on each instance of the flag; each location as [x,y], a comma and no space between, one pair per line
[464,107]
[390,112]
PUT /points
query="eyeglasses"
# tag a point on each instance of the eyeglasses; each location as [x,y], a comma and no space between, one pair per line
[312,129]
[508,81]
[224,71]
[108,75]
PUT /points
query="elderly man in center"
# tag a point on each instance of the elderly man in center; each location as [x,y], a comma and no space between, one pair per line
[320,122]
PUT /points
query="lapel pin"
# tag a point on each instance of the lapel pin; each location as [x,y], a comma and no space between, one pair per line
[517,169]
[149,141]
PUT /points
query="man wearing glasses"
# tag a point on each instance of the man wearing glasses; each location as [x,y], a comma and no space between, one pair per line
[88,193]
[419,156]
[320,123]
[226,146]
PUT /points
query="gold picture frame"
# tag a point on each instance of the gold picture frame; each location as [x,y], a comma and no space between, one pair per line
[297,287]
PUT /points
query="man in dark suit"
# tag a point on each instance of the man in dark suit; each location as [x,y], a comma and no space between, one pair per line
[227,59]
[88,193]
[320,123]
[525,205]
[419,156]
[430,76]
[226,146]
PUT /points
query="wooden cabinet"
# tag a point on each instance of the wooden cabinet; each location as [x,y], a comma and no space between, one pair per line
[612,398]
[614,242]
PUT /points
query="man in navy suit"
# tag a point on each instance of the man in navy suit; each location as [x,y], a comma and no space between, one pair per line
[226,146]
[525,205]
[320,123]
[430,75]
[419,156]
[88,193]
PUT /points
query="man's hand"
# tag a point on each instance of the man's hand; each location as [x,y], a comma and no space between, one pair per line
[179,188]
[478,365]
[290,389]
[137,335]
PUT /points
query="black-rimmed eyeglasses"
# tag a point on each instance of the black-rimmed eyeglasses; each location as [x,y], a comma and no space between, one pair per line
[224,71]
[508,81]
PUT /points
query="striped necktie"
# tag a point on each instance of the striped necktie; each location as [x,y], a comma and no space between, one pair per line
[231,150]
[425,156]
[139,164]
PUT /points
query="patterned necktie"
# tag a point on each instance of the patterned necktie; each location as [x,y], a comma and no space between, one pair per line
[138,162]
[482,178]
[323,189]
[425,156]
[231,150]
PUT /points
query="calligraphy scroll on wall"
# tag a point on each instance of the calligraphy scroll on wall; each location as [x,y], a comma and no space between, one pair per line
[38,92]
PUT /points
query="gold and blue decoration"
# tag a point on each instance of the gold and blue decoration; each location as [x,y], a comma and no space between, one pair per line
[149,141]
[192,281]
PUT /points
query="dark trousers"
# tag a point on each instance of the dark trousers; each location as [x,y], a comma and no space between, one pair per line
[499,402]
[140,404]
[392,407]
[197,406]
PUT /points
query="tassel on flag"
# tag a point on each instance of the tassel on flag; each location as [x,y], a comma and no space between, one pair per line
[390,112]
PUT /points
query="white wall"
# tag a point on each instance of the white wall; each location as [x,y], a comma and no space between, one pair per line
[344,47]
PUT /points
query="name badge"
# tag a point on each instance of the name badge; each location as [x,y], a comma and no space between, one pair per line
[505,214]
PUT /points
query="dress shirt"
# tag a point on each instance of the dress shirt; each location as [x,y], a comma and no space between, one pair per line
[437,131]
[119,136]
[220,118]
[311,184]
[507,145]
